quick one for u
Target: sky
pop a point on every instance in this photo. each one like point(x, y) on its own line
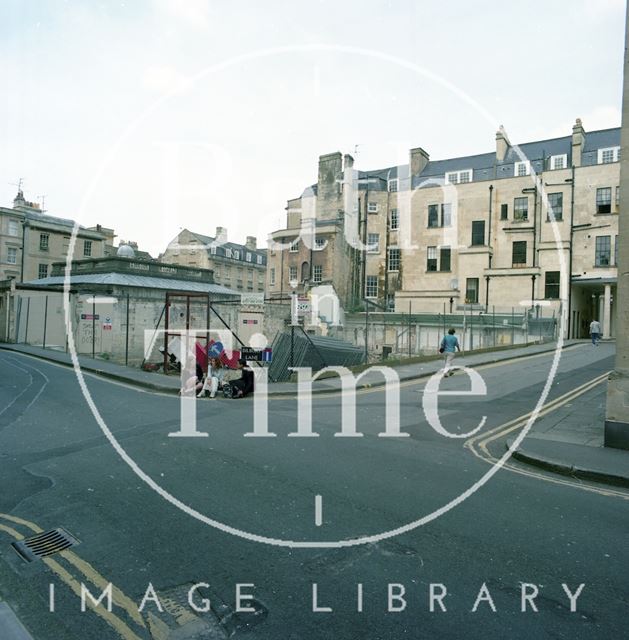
point(149, 116)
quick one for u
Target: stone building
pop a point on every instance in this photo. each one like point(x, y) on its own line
point(239, 267)
point(499, 229)
point(327, 227)
point(31, 241)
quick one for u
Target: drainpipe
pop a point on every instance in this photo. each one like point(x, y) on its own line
point(24, 228)
point(490, 255)
point(491, 190)
point(364, 250)
point(571, 180)
point(386, 251)
point(535, 226)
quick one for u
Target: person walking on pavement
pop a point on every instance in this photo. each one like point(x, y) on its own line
point(595, 332)
point(449, 345)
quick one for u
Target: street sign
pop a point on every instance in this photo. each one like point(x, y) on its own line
point(215, 350)
point(256, 355)
point(89, 316)
point(301, 306)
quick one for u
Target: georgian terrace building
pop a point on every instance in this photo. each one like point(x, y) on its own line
point(236, 266)
point(31, 241)
point(473, 233)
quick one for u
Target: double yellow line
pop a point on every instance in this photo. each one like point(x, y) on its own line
point(122, 601)
point(478, 445)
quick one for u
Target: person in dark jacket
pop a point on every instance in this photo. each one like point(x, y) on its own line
point(244, 385)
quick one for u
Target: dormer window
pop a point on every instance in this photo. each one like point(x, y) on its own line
point(459, 177)
point(558, 162)
point(522, 169)
point(610, 154)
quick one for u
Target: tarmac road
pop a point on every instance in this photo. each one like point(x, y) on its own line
point(58, 470)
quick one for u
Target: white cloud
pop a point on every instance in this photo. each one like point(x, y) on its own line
point(602, 8)
point(603, 117)
point(195, 13)
point(164, 79)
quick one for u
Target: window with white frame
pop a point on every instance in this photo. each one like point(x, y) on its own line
point(555, 206)
point(520, 209)
point(394, 259)
point(320, 244)
point(446, 214)
point(44, 240)
point(603, 251)
point(294, 246)
point(439, 215)
point(373, 243)
point(604, 200)
point(522, 168)
point(87, 248)
point(248, 257)
point(371, 287)
point(236, 254)
point(610, 154)
point(272, 276)
point(393, 184)
point(431, 264)
point(459, 177)
point(372, 207)
point(13, 227)
point(395, 219)
point(12, 255)
point(559, 162)
point(292, 274)
point(228, 252)
point(317, 273)
point(213, 250)
point(259, 259)
point(42, 271)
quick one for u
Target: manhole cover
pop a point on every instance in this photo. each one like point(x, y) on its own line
point(44, 544)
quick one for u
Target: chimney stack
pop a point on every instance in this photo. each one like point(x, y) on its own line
point(418, 160)
point(251, 243)
point(221, 235)
point(578, 140)
point(502, 144)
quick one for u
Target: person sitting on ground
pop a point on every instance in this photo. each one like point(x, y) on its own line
point(194, 384)
point(244, 385)
point(213, 379)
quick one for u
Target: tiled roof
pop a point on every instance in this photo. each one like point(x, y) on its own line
point(208, 241)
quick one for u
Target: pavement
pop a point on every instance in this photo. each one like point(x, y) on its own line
point(10, 626)
point(569, 440)
point(156, 381)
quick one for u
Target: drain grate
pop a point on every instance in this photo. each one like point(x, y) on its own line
point(44, 544)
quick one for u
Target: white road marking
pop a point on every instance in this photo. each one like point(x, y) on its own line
point(318, 510)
